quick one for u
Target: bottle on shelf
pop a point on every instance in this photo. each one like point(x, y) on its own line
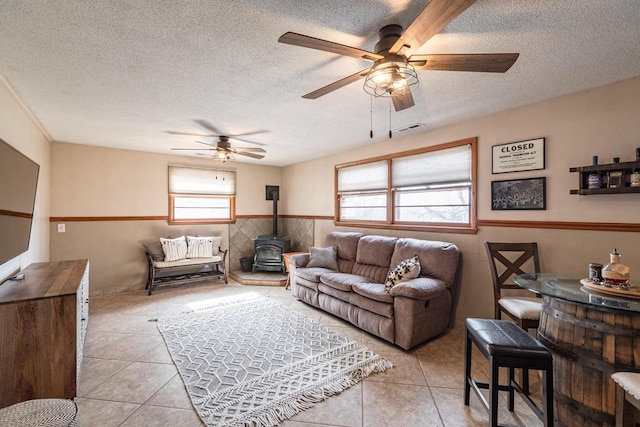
point(594, 180)
point(634, 178)
point(615, 177)
point(615, 273)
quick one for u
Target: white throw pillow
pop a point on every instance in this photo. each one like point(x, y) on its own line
point(199, 247)
point(217, 241)
point(405, 270)
point(174, 249)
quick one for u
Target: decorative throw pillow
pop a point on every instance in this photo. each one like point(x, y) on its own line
point(217, 241)
point(199, 247)
point(406, 270)
point(174, 249)
point(155, 250)
point(323, 257)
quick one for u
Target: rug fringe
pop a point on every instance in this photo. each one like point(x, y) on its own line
point(284, 410)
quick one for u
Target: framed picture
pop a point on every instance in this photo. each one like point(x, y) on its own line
point(519, 194)
point(518, 156)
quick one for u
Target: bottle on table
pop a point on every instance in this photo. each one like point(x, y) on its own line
point(634, 178)
point(615, 273)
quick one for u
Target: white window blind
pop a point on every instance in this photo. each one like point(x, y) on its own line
point(201, 181)
point(365, 177)
point(447, 166)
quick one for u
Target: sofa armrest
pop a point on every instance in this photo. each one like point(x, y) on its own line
point(420, 288)
point(299, 260)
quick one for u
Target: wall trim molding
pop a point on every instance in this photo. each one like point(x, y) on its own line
point(563, 225)
point(107, 218)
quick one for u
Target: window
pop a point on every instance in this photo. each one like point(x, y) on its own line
point(431, 188)
point(201, 196)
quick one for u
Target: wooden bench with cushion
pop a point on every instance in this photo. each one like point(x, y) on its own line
point(170, 266)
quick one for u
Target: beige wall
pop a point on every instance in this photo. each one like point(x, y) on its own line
point(602, 122)
point(90, 181)
point(20, 131)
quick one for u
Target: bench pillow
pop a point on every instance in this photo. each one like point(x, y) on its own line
point(199, 247)
point(174, 249)
point(217, 241)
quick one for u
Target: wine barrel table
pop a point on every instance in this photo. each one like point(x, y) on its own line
point(591, 335)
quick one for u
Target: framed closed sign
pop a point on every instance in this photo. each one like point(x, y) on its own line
point(518, 156)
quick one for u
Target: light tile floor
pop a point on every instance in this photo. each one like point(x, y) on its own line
point(129, 379)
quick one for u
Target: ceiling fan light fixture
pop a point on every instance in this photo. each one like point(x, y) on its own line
point(391, 78)
point(222, 156)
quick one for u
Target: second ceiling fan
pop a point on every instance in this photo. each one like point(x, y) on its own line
point(393, 71)
point(222, 147)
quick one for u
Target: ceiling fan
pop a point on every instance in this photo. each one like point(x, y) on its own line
point(222, 147)
point(393, 71)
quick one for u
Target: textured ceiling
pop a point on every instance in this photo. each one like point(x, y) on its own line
point(122, 73)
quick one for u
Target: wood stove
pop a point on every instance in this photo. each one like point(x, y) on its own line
point(268, 252)
point(269, 249)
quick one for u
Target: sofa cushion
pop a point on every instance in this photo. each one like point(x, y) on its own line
point(347, 244)
point(323, 257)
point(365, 303)
point(406, 270)
point(374, 291)
point(155, 250)
point(312, 273)
point(437, 259)
point(336, 293)
point(174, 249)
point(342, 281)
point(375, 250)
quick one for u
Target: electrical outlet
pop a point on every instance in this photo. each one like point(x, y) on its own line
point(61, 228)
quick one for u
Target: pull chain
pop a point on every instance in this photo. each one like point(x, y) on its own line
point(390, 134)
point(371, 112)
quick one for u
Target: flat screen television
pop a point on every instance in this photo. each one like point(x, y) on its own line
point(18, 183)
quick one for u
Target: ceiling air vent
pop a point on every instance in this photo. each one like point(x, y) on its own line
point(409, 128)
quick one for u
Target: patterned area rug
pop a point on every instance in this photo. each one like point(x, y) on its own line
point(255, 362)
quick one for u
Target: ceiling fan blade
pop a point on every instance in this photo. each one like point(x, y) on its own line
point(255, 132)
point(193, 149)
point(336, 85)
point(478, 62)
point(327, 46)
point(402, 102)
point(205, 124)
point(189, 134)
point(249, 149)
point(244, 153)
point(249, 141)
point(433, 18)
point(206, 143)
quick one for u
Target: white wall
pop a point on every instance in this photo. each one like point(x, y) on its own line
point(602, 121)
point(19, 130)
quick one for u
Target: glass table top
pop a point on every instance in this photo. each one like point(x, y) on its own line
point(569, 288)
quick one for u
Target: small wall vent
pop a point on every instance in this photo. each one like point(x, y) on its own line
point(410, 128)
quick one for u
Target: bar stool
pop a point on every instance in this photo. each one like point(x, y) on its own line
point(504, 344)
point(627, 398)
point(41, 412)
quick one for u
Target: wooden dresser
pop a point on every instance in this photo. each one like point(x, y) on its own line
point(43, 322)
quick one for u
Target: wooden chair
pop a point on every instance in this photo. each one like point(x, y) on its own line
point(627, 398)
point(525, 311)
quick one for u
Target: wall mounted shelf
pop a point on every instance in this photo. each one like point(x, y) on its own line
point(585, 171)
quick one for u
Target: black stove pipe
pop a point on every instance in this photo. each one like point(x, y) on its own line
point(275, 216)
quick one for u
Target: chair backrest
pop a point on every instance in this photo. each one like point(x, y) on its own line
point(503, 268)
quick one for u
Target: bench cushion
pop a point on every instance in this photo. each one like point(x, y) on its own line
point(187, 262)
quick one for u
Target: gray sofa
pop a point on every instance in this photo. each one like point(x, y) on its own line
point(410, 313)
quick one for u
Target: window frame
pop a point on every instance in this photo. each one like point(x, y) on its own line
point(171, 220)
point(391, 222)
